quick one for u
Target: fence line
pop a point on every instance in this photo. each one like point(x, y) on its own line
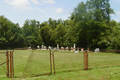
point(10, 62)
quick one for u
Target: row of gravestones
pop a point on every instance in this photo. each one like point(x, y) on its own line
point(72, 49)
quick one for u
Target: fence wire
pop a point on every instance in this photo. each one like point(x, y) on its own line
point(3, 63)
point(102, 59)
point(31, 63)
point(35, 62)
point(68, 61)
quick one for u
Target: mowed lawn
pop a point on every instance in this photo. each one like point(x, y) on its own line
point(68, 65)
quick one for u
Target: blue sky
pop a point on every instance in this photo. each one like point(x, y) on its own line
point(18, 11)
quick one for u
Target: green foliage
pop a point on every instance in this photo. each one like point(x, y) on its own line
point(46, 34)
point(88, 26)
point(114, 36)
point(92, 20)
point(10, 34)
point(31, 33)
point(58, 34)
point(100, 10)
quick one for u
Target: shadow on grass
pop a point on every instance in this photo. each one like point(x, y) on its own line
point(72, 70)
point(89, 69)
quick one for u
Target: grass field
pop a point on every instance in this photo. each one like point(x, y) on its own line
point(68, 65)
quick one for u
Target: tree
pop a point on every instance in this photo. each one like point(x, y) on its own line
point(46, 35)
point(31, 32)
point(59, 34)
point(79, 13)
point(91, 22)
point(100, 10)
point(16, 40)
point(10, 34)
point(5, 32)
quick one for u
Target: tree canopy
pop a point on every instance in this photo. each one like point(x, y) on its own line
point(89, 25)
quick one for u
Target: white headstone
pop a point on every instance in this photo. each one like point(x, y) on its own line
point(97, 50)
point(38, 47)
point(49, 47)
point(76, 51)
point(67, 48)
point(44, 47)
point(29, 48)
point(57, 46)
point(74, 47)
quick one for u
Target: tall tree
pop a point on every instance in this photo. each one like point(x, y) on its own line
point(91, 22)
point(79, 13)
point(100, 10)
point(31, 32)
point(4, 31)
point(46, 35)
point(59, 34)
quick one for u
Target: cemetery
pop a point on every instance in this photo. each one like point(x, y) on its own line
point(84, 46)
point(34, 62)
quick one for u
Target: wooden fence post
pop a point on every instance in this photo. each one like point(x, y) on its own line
point(10, 65)
point(86, 60)
point(7, 54)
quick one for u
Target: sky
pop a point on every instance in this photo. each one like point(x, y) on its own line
point(18, 11)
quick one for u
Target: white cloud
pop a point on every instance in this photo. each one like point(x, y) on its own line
point(21, 4)
point(21, 25)
point(48, 1)
point(116, 16)
point(118, 13)
point(35, 2)
point(59, 10)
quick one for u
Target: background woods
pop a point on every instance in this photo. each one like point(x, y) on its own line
point(88, 26)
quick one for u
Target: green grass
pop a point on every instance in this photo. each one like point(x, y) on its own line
point(68, 65)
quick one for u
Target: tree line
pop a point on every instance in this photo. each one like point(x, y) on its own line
point(88, 26)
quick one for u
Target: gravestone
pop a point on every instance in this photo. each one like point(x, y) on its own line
point(72, 49)
point(57, 46)
point(29, 48)
point(67, 48)
point(54, 48)
point(82, 50)
point(49, 47)
point(78, 49)
point(62, 48)
point(38, 47)
point(44, 48)
point(97, 50)
point(88, 50)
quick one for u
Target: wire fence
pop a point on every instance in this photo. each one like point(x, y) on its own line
point(31, 62)
point(3, 69)
point(36, 62)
